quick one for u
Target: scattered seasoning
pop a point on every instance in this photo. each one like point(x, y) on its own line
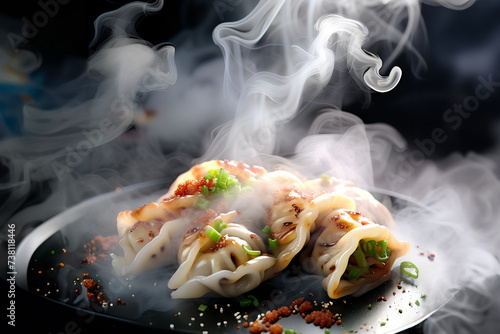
point(202, 308)
point(268, 322)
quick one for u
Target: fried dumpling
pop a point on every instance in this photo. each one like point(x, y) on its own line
point(355, 254)
point(230, 266)
point(147, 235)
point(293, 217)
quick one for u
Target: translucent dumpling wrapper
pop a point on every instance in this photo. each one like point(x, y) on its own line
point(364, 200)
point(293, 218)
point(222, 266)
point(342, 233)
point(148, 235)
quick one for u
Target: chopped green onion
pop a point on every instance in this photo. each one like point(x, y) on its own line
point(266, 230)
point(325, 178)
point(369, 306)
point(249, 251)
point(289, 331)
point(225, 183)
point(245, 302)
point(423, 296)
point(382, 323)
point(212, 233)
point(400, 311)
point(370, 248)
point(204, 190)
point(202, 308)
point(354, 273)
point(202, 203)
point(360, 258)
point(255, 301)
point(273, 243)
point(409, 265)
point(417, 303)
point(220, 225)
point(327, 331)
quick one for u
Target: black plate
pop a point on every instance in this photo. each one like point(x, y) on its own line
point(51, 264)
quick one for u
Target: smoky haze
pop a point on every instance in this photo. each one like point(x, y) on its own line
point(282, 83)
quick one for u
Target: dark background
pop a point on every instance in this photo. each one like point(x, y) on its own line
point(462, 45)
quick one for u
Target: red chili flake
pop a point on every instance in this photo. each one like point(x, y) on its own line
point(431, 256)
point(275, 329)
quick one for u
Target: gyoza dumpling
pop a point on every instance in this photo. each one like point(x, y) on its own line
point(293, 217)
point(230, 266)
point(148, 235)
point(355, 254)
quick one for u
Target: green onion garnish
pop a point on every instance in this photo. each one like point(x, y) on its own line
point(382, 323)
point(225, 183)
point(273, 243)
point(423, 296)
point(370, 248)
point(249, 251)
point(220, 225)
point(202, 203)
point(204, 190)
point(408, 265)
point(325, 178)
point(289, 331)
point(369, 306)
point(354, 273)
point(327, 331)
point(360, 258)
point(212, 233)
point(245, 302)
point(417, 302)
point(202, 308)
point(255, 301)
point(266, 230)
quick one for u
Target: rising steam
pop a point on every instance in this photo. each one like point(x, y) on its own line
point(237, 97)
